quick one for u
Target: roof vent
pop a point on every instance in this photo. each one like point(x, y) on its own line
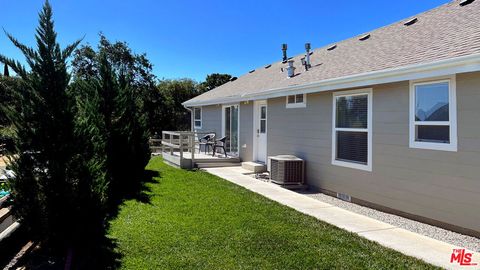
point(290, 68)
point(267, 66)
point(331, 48)
point(307, 63)
point(284, 51)
point(367, 36)
point(410, 22)
point(233, 79)
point(304, 63)
point(251, 71)
point(466, 2)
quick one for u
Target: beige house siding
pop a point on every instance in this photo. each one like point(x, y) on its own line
point(439, 185)
point(246, 131)
point(212, 122)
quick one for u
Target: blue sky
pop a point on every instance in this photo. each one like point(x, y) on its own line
point(194, 38)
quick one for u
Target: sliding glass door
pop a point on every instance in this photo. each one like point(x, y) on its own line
point(230, 128)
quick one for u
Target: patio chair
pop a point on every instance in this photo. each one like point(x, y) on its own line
point(220, 143)
point(207, 141)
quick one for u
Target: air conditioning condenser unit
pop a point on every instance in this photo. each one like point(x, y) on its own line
point(286, 169)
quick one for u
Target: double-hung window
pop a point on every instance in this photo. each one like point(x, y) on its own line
point(352, 129)
point(297, 101)
point(197, 117)
point(433, 115)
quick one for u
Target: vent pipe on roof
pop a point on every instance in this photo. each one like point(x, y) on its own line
point(365, 37)
point(410, 22)
point(307, 56)
point(304, 63)
point(284, 50)
point(331, 48)
point(290, 68)
point(466, 2)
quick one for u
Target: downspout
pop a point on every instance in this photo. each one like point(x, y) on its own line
point(191, 118)
point(192, 129)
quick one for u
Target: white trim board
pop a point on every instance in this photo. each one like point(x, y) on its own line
point(201, 117)
point(452, 109)
point(238, 120)
point(444, 67)
point(256, 114)
point(369, 129)
point(296, 104)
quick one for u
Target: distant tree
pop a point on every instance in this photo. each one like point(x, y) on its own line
point(168, 113)
point(136, 69)
point(214, 80)
point(6, 73)
point(9, 89)
point(171, 115)
point(57, 196)
point(161, 102)
point(9, 106)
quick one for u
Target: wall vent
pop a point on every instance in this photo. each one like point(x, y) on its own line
point(466, 2)
point(410, 22)
point(344, 197)
point(331, 48)
point(267, 66)
point(365, 37)
point(251, 71)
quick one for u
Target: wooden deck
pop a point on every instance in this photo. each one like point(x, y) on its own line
point(181, 149)
point(199, 158)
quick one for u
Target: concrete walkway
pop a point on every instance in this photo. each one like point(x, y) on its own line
point(430, 250)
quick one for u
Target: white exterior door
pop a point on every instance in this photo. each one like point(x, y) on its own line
point(261, 131)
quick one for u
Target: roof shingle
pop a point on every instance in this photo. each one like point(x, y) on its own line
point(445, 32)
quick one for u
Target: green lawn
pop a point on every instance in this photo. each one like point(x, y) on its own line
point(198, 221)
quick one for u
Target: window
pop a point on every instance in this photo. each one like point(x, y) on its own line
point(263, 119)
point(433, 115)
point(352, 129)
point(197, 117)
point(297, 101)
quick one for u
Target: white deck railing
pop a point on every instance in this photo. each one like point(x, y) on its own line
point(182, 142)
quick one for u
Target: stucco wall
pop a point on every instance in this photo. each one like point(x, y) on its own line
point(439, 185)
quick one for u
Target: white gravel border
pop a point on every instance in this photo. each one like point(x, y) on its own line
point(453, 238)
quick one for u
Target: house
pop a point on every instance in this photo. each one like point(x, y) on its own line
point(390, 117)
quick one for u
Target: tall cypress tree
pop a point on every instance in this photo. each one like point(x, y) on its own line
point(122, 81)
point(57, 193)
point(118, 103)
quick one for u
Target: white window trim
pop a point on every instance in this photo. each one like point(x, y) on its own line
point(201, 118)
point(237, 154)
point(256, 125)
point(452, 92)
point(353, 165)
point(296, 105)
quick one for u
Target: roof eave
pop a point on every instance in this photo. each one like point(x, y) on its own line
point(468, 63)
